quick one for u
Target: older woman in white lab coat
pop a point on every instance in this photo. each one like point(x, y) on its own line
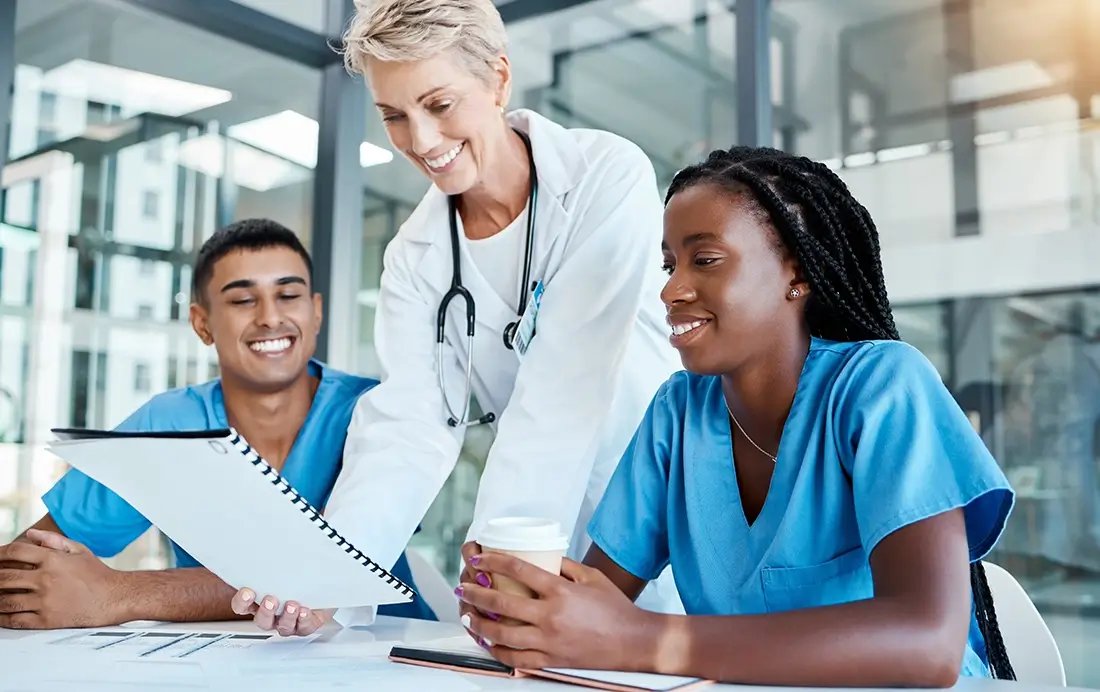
point(565, 400)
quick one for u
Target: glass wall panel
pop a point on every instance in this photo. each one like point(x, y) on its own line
point(132, 138)
point(971, 130)
point(659, 73)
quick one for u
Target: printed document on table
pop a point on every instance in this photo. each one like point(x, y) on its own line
point(118, 644)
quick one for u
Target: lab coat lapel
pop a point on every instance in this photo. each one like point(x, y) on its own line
point(561, 167)
point(551, 235)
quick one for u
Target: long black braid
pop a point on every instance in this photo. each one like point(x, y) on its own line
point(837, 246)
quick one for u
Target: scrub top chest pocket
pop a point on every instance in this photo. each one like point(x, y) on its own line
point(842, 579)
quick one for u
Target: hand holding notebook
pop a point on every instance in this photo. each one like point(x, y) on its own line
point(218, 500)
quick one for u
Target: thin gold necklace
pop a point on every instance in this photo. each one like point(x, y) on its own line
point(734, 419)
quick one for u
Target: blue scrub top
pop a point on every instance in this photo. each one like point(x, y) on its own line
point(91, 514)
point(874, 442)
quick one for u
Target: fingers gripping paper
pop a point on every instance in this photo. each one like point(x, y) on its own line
point(230, 510)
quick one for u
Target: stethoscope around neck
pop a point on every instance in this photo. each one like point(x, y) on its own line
point(457, 290)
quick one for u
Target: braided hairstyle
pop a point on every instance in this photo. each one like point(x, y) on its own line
point(836, 243)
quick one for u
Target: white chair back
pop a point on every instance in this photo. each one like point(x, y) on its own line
point(433, 587)
point(1031, 647)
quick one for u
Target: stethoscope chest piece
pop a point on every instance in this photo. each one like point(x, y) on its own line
point(510, 335)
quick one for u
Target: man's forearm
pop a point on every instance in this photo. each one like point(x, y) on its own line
point(192, 594)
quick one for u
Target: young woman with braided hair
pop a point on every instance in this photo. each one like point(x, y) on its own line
point(821, 498)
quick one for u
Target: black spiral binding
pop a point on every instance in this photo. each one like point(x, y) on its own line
point(303, 504)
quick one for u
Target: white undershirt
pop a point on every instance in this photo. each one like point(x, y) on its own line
point(500, 257)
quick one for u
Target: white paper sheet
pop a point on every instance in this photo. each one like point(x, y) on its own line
point(227, 513)
point(642, 681)
point(463, 644)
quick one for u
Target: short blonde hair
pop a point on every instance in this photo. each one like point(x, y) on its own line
point(410, 30)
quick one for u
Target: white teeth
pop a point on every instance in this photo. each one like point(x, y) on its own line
point(271, 345)
point(678, 329)
point(446, 158)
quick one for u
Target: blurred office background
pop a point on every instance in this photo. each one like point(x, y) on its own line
point(970, 128)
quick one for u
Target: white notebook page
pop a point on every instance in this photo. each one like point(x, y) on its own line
point(641, 681)
point(220, 508)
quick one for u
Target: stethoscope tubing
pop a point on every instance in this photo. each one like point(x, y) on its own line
point(458, 290)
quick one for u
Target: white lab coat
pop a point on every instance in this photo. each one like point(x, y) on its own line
point(566, 413)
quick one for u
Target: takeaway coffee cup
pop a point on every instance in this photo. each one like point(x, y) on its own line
point(531, 539)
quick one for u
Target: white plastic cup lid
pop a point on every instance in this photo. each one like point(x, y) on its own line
point(523, 533)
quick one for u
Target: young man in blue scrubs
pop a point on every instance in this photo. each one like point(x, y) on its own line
point(822, 499)
point(252, 300)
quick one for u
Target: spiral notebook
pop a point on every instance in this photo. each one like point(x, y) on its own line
point(217, 499)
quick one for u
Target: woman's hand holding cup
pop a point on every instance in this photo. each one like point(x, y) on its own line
point(470, 575)
point(537, 541)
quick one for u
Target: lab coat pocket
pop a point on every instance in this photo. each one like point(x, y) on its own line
point(843, 579)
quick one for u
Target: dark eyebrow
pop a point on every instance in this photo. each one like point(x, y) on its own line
point(249, 283)
point(427, 94)
point(239, 283)
point(695, 239)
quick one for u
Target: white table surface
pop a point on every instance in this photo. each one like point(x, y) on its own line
point(388, 631)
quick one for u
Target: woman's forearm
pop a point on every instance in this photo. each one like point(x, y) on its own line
point(876, 642)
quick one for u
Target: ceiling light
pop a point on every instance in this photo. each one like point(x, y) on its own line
point(856, 160)
point(247, 166)
point(371, 155)
point(132, 91)
point(288, 134)
point(293, 136)
point(906, 152)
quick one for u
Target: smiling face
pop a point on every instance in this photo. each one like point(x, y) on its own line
point(729, 289)
point(260, 315)
point(445, 119)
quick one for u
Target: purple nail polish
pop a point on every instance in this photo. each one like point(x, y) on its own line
point(458, 591)
point(483, 579)
point(475, 559)
point(482, 644)
point(492, 616)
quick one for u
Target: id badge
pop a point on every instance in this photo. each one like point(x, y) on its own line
point(525, 332)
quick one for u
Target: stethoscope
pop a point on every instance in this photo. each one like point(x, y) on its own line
point(458, 290)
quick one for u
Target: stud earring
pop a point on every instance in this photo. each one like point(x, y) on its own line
point(794, 293)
